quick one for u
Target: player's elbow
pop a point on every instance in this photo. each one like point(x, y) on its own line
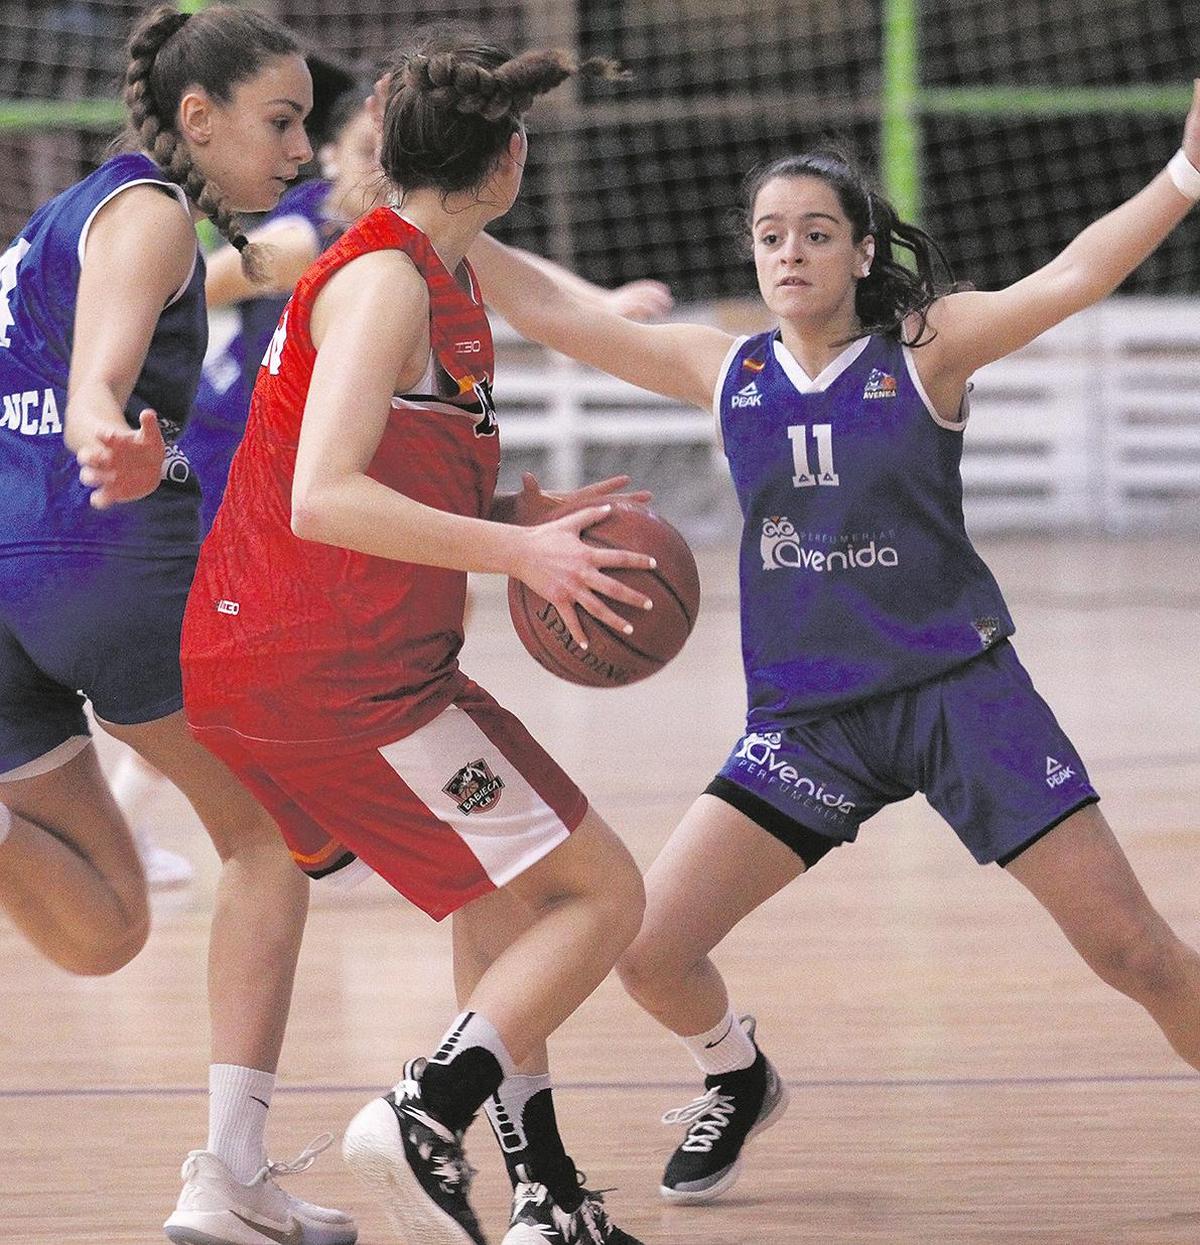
point(310, 516)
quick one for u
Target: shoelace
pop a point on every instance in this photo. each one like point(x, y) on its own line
point(274, 1167)
point(707, 1117)
point(301, 1163)
point(304, 1160)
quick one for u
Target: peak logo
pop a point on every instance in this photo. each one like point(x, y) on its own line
point(781, 547)
point(758, 752)
point(748, 395)
point(1057, 773)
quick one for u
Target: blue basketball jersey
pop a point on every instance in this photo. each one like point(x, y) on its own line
point(45, 505)
point(857, 575)
point(231, 367)
point(260, 316)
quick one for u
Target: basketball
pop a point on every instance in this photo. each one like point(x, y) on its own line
point(613, 660)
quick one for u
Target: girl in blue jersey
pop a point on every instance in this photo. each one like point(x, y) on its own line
point(875, 641)
point(102, 332)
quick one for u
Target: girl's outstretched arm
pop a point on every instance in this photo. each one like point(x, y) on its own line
point(677, 360)
point(974, 327)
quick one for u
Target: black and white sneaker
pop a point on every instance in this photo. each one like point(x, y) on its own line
point(734, 1107)
point(538, 1220)
point(415, 1164)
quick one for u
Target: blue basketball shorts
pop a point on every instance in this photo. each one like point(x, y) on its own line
point(95, 625)
point(978, 741)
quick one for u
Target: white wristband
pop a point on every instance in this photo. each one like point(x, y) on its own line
point(1185, 175)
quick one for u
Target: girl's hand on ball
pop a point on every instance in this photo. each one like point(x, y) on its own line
point(557, 564)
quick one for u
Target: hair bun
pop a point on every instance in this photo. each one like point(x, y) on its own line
point(165, 22)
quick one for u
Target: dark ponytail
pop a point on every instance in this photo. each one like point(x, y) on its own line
point(216, 49)
point(893, 292)
point(454, 101)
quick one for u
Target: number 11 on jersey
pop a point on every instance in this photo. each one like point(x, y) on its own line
point(804, 476)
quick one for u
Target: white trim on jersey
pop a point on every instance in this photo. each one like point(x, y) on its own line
point(720, 386)
point(506, 839)
point(439, 408)
point(182, 198)
point(964, 409)
point(828, 374)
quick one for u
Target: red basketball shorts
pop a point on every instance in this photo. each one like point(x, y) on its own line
point(454, 810)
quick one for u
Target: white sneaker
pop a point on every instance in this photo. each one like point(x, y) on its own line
point(215, 1208)
point(163, 869)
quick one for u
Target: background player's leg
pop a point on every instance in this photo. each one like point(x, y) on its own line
point(262, 898)
point(1079, 873)
point(716, 868)
point(135, 786)
point(70, 878)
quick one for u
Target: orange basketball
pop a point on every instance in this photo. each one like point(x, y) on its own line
point(611, 659)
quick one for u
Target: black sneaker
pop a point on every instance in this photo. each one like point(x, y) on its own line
point(415, 1164)
point(734, 1107)
point(538, 1220)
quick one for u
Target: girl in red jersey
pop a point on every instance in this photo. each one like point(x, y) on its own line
point(322, 633)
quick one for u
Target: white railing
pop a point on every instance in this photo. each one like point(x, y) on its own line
point(1094, 426)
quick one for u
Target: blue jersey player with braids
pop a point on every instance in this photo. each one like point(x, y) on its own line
point(876, 643)
point(102, 332)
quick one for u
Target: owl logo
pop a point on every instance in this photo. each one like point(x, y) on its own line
point(779, 545)
point(758, 749)
point(475, 789)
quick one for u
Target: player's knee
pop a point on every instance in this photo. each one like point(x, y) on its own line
point(627, 901)
point(1139, 961)
point(649, 963)
point(102, 958)
point(254, 840)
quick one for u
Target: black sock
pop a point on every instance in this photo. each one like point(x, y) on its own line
point(454, 1091)
point(532, 1146)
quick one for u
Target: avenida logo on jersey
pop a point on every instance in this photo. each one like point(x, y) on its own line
point(758, 754)
point(780, 547)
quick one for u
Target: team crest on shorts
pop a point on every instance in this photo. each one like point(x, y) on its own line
point(475, 788)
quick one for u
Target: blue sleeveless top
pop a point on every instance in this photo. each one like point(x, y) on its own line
point(45, 506)
point(232, 363)
point(857, 575)
point(227, 381)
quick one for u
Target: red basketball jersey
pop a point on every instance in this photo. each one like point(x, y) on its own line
point(291, 640)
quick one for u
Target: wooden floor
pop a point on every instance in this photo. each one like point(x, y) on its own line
point(957, 1075)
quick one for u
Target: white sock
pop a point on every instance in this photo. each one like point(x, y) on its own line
point(5, 823)
point(474, 1029)
point(239, 1100)
point(506, 1109)
point(726, 1047)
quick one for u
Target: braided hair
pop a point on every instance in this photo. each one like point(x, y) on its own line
point(216, 49)
point(454, 101)
point(892, 292)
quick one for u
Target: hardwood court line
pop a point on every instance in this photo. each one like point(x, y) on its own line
point(949, 1082)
